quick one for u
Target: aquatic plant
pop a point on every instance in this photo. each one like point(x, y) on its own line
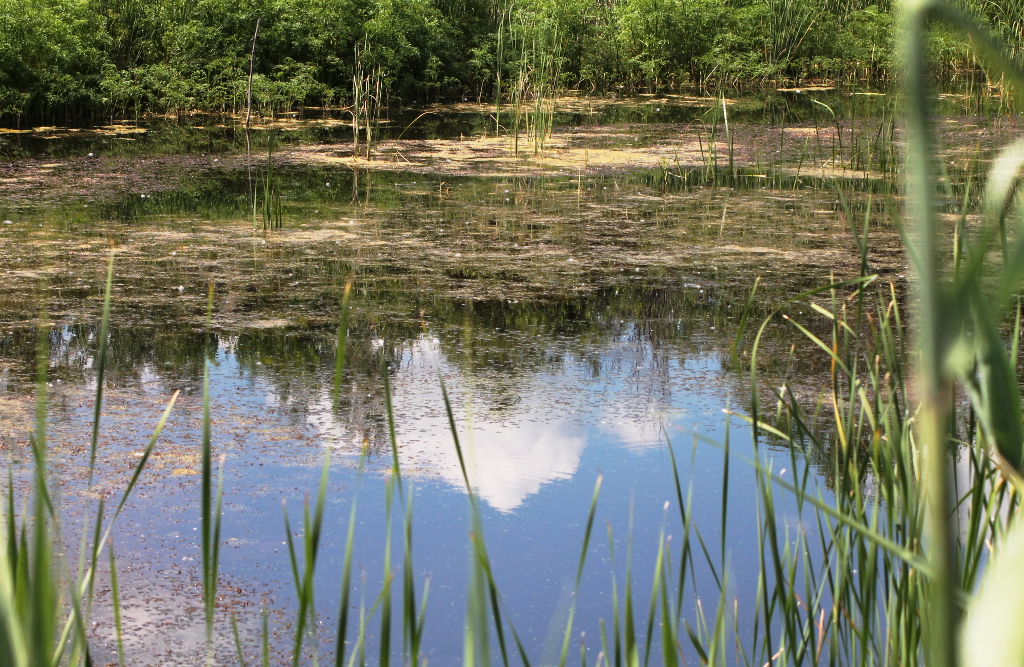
point(270, 205)
point(887, 579)
point(44, 607)
point(73, 62)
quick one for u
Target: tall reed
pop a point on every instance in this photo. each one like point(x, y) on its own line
point(210, 500)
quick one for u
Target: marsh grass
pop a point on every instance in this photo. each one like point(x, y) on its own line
point(44, 608)
point(210, 502)
point(368, 102)
point(887, 575)
point(528, 32)
point(269, 206)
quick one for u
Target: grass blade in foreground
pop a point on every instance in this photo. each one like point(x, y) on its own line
point(211, 505)
point(101, 364)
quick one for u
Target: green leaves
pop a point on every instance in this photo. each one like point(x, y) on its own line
point(994, 391)
point(990, 634)
point(960, 311)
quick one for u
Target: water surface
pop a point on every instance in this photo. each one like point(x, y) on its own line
point(580, 322)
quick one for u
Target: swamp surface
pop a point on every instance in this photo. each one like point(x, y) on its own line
point(581, 299)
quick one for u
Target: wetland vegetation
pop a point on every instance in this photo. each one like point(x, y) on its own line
point(537, 375)
point(69, 62)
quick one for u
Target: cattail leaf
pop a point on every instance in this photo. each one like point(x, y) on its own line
point(1003, 179)
point(1004, 182)
point(991, 634)
point(994, 391)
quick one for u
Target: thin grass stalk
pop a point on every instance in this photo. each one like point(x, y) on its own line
point(632, 653)
point(579, 572)
point(616, 625)
point(304, 579)
point(346, 569)
point(669, 642)
point(396, 470)
point(394, 479)
point(346, 585)
point(210, 502)
point(81, 586)
point(252, 62)
point(482, 585)
point(101, 363)
point(38, 437)
point(36, 586)
point(238, 641)
point(685, 556)
point(264, 637)
point(725, 489)
point(412, 620)
point(737, 340)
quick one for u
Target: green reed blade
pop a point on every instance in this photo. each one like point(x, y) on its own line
point(116, 603)
point(933, 320)
point(1015, 342)
point(579, 572)
point(265, 636)
point(238, 640)
point(346, 573)
point(697, 644)
point(486, 588)
point(384, 656)
point(725, 487)
point(146, 453)
point(94, 555)
point(860, 282)
point(734, 348)
point(304, 585)
point(872, 536)
point(455, 437)
point(101, 364)
point(410, 640)
point(995, 393)
point(38, 437)
point(290, 540)
point(422, 616)
point(389, 406)
point(14, 649)
point(346, 584)
point(215, 539)
point(210, 506)
point(669, 642)
point(85, 580)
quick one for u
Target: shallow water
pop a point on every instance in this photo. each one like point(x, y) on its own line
point(578, 322)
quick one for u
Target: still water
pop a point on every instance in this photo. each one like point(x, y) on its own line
point(580, 318)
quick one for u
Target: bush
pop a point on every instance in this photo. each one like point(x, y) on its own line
point(79, 60)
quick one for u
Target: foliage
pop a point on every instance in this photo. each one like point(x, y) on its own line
point(83, 60)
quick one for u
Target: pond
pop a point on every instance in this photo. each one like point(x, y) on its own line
point(581, 301)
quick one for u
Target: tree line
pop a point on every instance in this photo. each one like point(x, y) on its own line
point(68, 61)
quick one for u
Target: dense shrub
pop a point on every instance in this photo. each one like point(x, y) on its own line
point(82, 60)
